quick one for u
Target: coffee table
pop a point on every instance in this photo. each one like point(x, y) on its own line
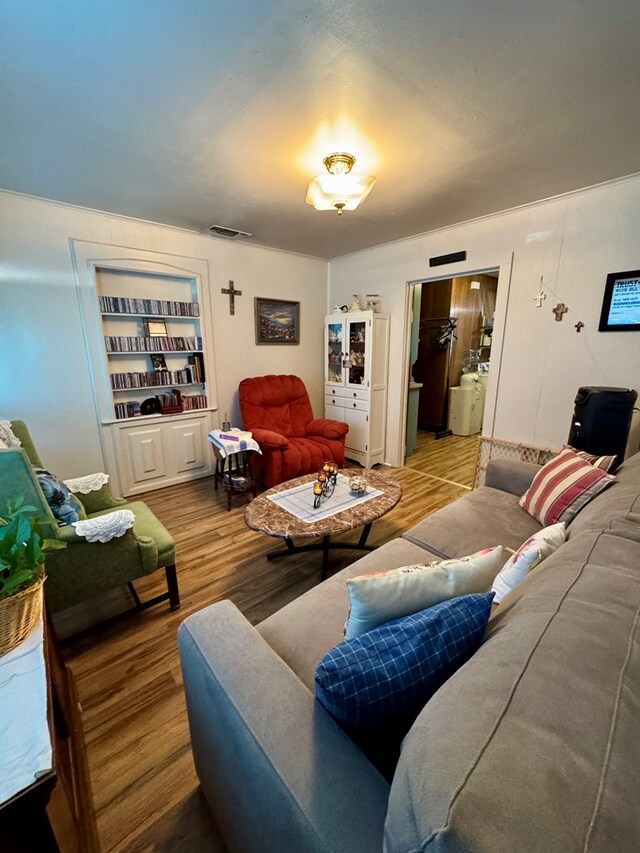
point(267, 517)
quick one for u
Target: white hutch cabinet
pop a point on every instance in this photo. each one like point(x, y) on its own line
point(356, 356)
point(147, 328)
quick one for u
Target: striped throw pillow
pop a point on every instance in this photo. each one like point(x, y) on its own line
point(606, 463)
point(562, 487)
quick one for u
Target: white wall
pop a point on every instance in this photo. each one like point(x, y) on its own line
point(44, 372)
point(573, 241)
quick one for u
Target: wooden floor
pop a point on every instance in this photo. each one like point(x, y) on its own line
point(127, 670)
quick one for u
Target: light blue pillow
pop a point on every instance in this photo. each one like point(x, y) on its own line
point(388, 674)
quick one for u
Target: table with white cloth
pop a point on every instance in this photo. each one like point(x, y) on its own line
point(233, 449)
point(26, 753)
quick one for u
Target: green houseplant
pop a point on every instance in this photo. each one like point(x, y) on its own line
point(22, 558)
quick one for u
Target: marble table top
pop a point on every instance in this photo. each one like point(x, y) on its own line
point(267, 517)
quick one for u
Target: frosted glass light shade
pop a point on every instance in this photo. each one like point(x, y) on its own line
point(327, 191)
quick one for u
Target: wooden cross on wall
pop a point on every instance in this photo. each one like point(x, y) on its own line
point(231, 292)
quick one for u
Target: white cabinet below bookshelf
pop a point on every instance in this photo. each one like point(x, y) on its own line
point(153, 452)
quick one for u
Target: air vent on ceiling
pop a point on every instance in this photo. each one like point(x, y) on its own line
point(229, 233)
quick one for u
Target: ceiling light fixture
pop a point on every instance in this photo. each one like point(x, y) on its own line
point(339, 189)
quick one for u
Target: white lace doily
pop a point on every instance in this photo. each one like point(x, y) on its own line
point(86, 484)
point(6, 434)
point(103, 528)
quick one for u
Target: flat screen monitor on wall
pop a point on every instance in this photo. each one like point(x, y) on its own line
point(621, 303)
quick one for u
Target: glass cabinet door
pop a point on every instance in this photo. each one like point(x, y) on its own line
point(334, 350)
point(358, 355)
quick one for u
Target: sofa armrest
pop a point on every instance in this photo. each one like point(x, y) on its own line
point(327, 428)
point(277, 771)
point(510, 475)
point(269, 439)
point(99, 500)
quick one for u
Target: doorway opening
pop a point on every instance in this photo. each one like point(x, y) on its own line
point(449, 364)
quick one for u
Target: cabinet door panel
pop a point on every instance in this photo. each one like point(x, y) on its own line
point(358, 435)
point(146, 454)
point(187, 440)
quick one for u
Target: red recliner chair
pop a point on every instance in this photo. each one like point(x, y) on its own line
point(277, 411)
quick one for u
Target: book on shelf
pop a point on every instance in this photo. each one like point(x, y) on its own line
point(191, 402)
point(133, 305)
point(152, 379)
point(196, 363)
point(135, 343)
point(169, 404)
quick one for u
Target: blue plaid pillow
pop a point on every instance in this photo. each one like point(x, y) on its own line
point(390, 672)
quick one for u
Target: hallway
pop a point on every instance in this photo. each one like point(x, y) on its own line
point(451, 459)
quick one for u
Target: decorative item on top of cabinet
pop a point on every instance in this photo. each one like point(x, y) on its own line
point(355, 373)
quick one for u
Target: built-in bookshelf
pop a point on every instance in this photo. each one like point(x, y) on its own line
point(149, 337)
point(150, 350)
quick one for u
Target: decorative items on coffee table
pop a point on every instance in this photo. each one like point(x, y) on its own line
point(266, 515)
point(325, 485)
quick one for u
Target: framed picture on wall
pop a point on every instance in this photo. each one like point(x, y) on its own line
point(277, 321)
point(621, 303)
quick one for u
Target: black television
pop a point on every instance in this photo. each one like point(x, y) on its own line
point(621, 303)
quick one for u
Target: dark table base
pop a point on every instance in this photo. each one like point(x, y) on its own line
point(325, 546)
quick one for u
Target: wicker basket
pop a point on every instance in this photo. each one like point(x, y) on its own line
point(18, 614)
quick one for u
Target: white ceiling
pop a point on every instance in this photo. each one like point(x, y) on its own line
point(192, 112)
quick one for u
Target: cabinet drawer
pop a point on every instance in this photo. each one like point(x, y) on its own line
point(331, 403)
point(358, 405)
point(334, 390)
point(351, 394)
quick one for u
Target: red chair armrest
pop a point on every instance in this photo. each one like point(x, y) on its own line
point(269, 439)
point(327, 428)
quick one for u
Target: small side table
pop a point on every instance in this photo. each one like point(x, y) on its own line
point(233, 461)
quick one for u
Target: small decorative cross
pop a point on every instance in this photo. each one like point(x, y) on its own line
point(559, 310)
point(541, 294)
point(579, 326)
point(231, 292)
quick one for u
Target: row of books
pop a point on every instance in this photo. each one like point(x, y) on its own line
point(189, 403)
point(131, 305)
point(117, 343)
point(194, 401)
point(153, 378)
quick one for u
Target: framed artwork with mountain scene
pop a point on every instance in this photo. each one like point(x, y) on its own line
point(277, 321)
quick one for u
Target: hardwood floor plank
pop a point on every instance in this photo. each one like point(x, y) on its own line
point(128, 671)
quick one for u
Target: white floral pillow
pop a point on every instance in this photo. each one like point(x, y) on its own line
point(532, 552)
point(379, 597)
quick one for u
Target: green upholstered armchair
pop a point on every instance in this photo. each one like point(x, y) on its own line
point(84, 569)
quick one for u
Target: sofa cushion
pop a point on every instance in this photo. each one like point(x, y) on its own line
point(379, 597)
point(481, 519)
point(536, 741)
point(385, 676)
point(621, 498)
point(303, 631)
point(530, 554)
point(562, 487)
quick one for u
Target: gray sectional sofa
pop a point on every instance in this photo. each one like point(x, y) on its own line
point(533, 745)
